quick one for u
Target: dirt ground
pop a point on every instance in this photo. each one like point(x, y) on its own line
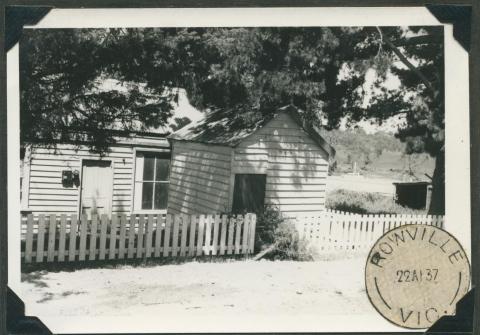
point(268, 289)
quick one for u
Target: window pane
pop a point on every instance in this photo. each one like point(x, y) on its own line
point(161, 195)
point(163, 166)
point(148, 166)
point(147, 196)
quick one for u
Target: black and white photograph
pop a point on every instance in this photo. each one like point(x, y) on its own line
point(218, 178)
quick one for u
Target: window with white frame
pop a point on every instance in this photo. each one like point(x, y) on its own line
point(152, 171)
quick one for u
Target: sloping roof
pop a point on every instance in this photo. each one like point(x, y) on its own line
point(224, 130)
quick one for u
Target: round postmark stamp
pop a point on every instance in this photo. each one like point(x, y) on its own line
point(415, 274)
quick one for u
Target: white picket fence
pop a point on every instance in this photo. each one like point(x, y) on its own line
point(337, 231)
point(68, 238)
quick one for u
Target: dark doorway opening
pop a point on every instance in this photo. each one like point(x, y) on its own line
point(249, 193)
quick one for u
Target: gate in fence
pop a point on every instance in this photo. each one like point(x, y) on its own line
point(69, 238)
point(336, 231)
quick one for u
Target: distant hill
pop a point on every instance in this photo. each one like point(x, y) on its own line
point(379, 154)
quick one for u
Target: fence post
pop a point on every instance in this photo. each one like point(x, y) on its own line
point(201, 227)
point(121, 239)
point(29, 239)
point(253, 223)
point(166, 237)
point(216, 226)
point(193, 229)
point(148, 239)
point(72, 248)
point(223, 234)
point(103, 236)
point(83, 237)
point(246, 227)
point(183, 237)
point(93, 238)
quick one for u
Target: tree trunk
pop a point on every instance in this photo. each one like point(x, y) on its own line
point(437, 203)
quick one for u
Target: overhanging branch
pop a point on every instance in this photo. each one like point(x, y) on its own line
point(405, 61)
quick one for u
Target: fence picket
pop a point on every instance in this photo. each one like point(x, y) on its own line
point(253, 222)
point(29, 239)
point(83, 237)
point(62, 237)
point(166, 237)
point(122, 236)
point(246, 224)
point(93, 238)
point(223, 234)
point(191, 242)
point(201, 227)
point(40, 238)
point(113, 237)
point(131, 237)
point(238, 230)
point(183, 237)
point(140, 234)
point(208, 235)
point(176, 227)
point(231, 228)
point(158, 235)
point(72, 248)
point(148, 239)
point(216, 225)
point(103, 235)
point(52, 228)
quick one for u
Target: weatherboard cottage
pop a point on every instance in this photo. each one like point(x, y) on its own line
point(209, 166)
point(219, 167)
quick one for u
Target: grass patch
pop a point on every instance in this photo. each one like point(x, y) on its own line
point(366, 203)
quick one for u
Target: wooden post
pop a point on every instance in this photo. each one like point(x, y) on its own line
point(223, 234)
point(166, 237)
point(51, 237)
point(103, 235)
point(92, 253)
point(83, 237)
point(148, 239)
point(122, 237)
point(72, 248)
point(29, 239)
point(201, 227)
point(183, 237)
point(176, 224)
point(216, 226)
point(158, 234)
point(231, 228)
point(191, 243)
point(141, 225)
point(253, 223)
point(131, 236)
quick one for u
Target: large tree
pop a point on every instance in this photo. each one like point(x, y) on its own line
point(246, 73)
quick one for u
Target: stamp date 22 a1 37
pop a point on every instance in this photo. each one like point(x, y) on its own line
point(415, 274)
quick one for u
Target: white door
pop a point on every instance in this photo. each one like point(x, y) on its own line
point(97, 183)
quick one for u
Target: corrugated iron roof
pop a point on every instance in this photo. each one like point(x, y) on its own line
point(216, 128)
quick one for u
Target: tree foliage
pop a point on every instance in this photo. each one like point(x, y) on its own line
point(251, 71)
point(245, 73)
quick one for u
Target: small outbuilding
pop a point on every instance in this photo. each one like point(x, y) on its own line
point(219, 167)
point(415, 194)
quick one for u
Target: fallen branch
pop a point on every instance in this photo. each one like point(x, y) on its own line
point(264, 252)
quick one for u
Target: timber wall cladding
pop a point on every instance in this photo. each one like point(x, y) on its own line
point(46, 193)
point(60, 238)
point(199, 178)
point(295, 165)
point(336, 231)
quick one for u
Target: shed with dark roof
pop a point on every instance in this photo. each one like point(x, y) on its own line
point(218, 166)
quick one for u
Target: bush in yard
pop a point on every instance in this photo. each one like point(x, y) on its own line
point(366, 203)
point(274, 229)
